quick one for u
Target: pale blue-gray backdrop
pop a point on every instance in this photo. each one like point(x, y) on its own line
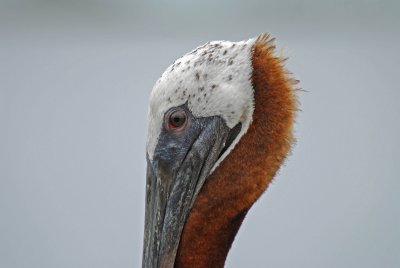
point(75, 77)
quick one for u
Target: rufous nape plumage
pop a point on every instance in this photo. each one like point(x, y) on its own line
point(220, 126)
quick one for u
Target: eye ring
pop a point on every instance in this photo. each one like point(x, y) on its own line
point(176, 119)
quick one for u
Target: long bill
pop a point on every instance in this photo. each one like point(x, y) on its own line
point(175, 175)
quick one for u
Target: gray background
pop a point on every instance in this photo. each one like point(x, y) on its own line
point(75, 77)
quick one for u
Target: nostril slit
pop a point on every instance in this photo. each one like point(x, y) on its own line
point(233, 133)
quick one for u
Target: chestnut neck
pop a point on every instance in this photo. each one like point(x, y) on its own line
point(245, 173)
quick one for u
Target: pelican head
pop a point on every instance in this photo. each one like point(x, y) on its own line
point(220, 121)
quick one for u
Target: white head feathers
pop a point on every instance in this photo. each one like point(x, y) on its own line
point(214, 79)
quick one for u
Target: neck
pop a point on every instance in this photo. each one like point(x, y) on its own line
point(243, 176)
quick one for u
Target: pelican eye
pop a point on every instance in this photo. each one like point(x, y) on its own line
point(176, 119)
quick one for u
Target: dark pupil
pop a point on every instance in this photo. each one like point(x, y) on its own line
point(177, 119)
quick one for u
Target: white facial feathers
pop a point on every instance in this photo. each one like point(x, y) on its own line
point(214, 80)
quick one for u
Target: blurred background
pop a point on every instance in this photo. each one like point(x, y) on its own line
point(75, 78)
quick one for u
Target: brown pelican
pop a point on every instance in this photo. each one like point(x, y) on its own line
point(220, 126)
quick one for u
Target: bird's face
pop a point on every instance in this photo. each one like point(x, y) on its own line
point(199, 109)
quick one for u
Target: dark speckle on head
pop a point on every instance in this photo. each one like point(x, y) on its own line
point(214, 86)
point(229, 77)
point(233, 45)
point(230, 62)
point(225, 51)
point(205, 76)
point(201, 88)
point(197, 76)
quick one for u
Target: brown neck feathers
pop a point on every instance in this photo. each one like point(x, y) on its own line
point(245, 173)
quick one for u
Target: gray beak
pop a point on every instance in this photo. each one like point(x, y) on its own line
point(175, 175)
